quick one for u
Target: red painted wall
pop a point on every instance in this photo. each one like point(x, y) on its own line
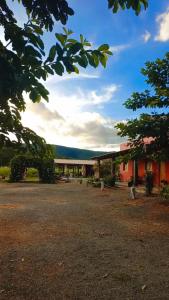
point(141, 168)
point(125, 175)
point(158, 176)
point(167, 170)
point(155, 170)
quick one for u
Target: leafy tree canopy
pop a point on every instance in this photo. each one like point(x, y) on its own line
point(25, 62)
point(154, 125)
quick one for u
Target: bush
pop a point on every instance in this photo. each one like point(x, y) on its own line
point(165, 192)
point(47, 171)
point(18, 165)
point(109, 180)
point(105, 169)
point(4, 171)
point(32, 172)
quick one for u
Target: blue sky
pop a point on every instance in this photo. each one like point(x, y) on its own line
point(83, 109)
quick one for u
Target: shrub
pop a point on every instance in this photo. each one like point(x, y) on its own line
point(105, 168)
point(109, 180)
point(47, 171)
point(4, 171)
point(165, 192)
point(18, 166)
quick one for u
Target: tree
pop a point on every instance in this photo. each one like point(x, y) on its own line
point(115, 5)
point(25, 63)
point(154, 125)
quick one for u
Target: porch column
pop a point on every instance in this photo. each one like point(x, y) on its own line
point(65, 169)
point(135, 171)
point(84, 170)
point(97, 170)
point(112, 167)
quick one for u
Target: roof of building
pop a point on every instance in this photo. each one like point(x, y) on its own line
point(111, 154)
point(74, 161)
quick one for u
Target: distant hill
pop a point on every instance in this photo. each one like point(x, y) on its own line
point(75, 153)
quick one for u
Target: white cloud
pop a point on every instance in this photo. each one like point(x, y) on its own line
point(42, 111)
point(82, 75)
point(70, 104)
point(98, 97)
point(146, 36)
point(98, 132)
point(70, 119)
point(119, 48)
point(163, 32)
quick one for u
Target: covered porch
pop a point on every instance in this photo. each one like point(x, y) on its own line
point(75, 168)
point(135, 168)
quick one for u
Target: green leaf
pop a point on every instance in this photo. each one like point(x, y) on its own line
point(109, 52)
point(52, 53)
point(34, 96)
point(81, 38)
point(73, 49)
point(73, 41)
point(49, 70)
point(91, 60)
point(31, 51)
point(69, 66)
point(82, 61)
point(87, 44)
point(96, 59)
point(61, 38)
point(138, 9)
point(58, 67)
point(43, 74)
point(40, 43)
point(103, 60)
point(76, 70)
point(70, 32)
point(70, 11)
point(65, 30)
point(145, 3)
point(59, 49)
point(104, 47)
point(37, 29)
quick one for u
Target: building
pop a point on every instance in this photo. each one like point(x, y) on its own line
point(135, 168)
point(75, 167)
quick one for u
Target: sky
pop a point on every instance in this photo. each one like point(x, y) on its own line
point(84, 108)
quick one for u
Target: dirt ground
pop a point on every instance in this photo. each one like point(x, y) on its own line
point(70, 241)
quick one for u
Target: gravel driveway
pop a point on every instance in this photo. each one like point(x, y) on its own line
point(70, 241)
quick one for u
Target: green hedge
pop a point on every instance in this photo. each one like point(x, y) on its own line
point(47, 171)
point(45, 168)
